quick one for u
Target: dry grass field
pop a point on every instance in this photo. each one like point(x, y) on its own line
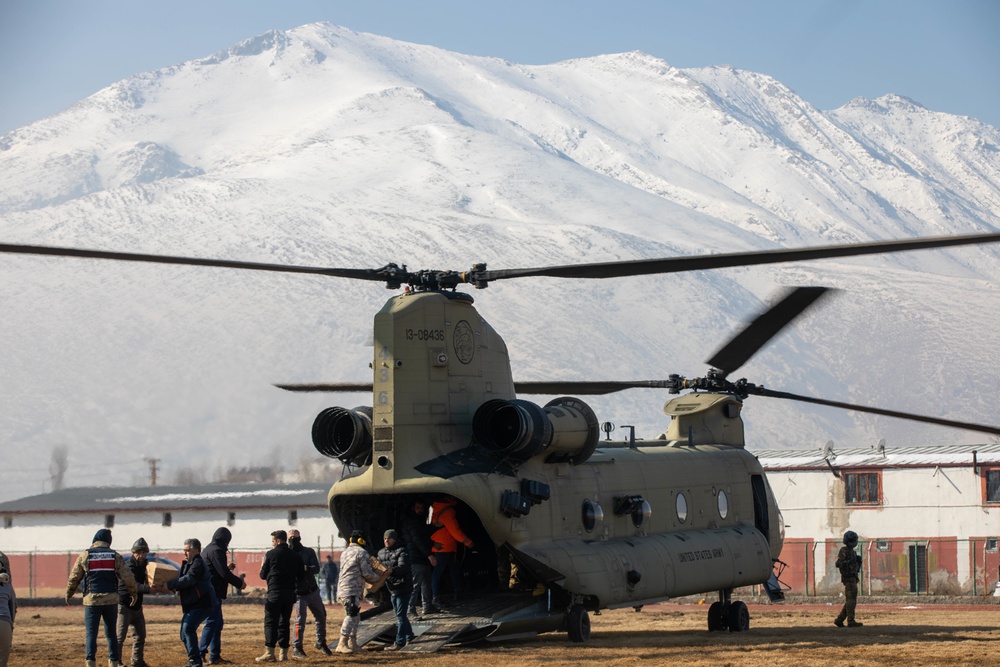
point(791, 634)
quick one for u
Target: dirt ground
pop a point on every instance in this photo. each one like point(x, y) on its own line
point(791, 634)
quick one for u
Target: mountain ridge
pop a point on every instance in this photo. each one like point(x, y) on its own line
point(325, 146)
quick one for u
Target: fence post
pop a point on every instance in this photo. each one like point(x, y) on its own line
point(805, 567)
point(972, 549)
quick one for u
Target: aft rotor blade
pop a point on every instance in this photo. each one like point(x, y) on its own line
point(547, 388)
point(360, 274)
point(745, 344)
point(643, 267)
point(760, 391)
point(584, 388)
point(342, 387)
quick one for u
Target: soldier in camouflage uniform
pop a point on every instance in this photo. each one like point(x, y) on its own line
point(355, 569)
point(133, 615)
point(849, 564)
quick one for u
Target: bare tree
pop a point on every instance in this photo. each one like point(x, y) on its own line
point(58, 466)
point(247, 474)
point(318, 469)
point(189, 477)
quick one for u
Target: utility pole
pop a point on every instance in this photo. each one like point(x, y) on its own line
point(152, 470)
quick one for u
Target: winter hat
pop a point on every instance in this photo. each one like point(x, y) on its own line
point(390, 533)
point(140, 545)
point(357, 537)
point(223, 536)
point(103, 535)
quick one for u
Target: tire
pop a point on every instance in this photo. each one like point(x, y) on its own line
point(739, 617)
point(716, 618)
point(578, 624)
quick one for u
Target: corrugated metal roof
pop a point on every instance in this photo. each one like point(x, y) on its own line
point(862, 457)
point(108, 499)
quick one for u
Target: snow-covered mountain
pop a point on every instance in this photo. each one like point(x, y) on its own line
point(326, 147)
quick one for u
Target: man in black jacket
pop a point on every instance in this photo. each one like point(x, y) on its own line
point(197, 595)
point(222, 578)
point(307, 596)
point(133, 615)
point(394, 557)
point(282, 569)
point(417, 540)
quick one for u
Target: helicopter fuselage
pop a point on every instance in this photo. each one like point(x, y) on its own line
point(604, 524)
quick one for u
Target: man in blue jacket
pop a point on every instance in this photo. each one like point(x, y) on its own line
point(222, 578)
point(331, 571)
point(197, 597)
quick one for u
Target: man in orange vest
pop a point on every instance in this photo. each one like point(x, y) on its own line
point(444, 545)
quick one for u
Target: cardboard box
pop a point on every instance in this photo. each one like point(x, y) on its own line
point(158, 574)
point(382, 573)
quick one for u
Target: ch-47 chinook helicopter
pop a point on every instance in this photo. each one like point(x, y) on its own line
point(587, 524)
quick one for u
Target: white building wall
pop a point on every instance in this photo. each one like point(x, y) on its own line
point(916, 502)
point(72, 532)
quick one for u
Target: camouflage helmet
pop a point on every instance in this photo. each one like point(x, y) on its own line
point(851, 538)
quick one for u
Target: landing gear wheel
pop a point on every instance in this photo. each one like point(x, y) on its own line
point(717, 619)
point(739, 617)
point(578, 624)
point(637, 608)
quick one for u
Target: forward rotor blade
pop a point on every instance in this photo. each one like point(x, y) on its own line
point(745, 344)
point(641, 267)
point(342, 387)
point(760, 391)
point(360, 274)
point(393, 276)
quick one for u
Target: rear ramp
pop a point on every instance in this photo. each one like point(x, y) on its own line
point(474, 619)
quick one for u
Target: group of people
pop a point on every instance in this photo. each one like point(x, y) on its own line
point(412, 567)
point(113, 590)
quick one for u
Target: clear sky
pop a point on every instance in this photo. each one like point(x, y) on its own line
point(944, 54)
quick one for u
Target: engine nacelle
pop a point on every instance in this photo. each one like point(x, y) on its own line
point(566, 428)
point(344, 434)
